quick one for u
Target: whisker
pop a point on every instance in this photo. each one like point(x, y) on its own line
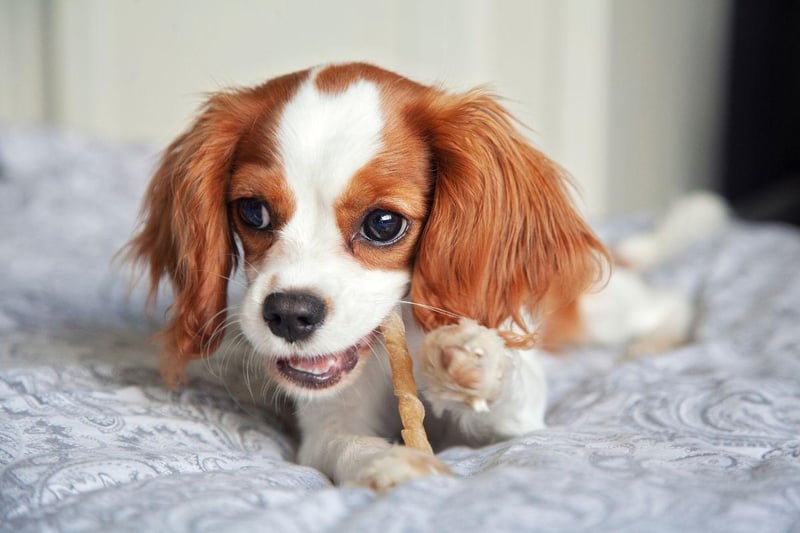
point(251, 265)
point(223, 276)
point(249, 361)
point(225, 356)
point(218, 331)
point(381, 360)
point(208, 342)
point(258, 361)
point(431, 308)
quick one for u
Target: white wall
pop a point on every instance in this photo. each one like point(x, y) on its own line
point(610, 88)
point(23, 76)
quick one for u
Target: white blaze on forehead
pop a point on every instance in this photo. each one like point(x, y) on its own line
point(324, 138)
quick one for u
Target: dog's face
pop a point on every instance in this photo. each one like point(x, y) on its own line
point(328, 211)
point(350, 189)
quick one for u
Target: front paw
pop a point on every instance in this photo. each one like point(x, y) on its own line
point(463, 364)
point(397, 465)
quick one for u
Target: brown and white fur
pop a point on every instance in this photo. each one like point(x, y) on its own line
point(477, 243)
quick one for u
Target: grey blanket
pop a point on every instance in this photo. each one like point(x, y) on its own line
point(703, 438)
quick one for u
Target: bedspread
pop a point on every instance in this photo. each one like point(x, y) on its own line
point(702, 438)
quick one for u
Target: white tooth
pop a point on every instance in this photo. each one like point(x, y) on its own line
point(318, 372)
point(311, 368)
point(479, 405)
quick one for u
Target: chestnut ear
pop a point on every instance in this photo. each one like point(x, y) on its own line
point(502, 242)
point(184, 233)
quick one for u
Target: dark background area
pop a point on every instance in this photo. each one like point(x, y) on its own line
point(761, 159)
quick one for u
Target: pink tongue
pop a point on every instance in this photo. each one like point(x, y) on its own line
point(317, 365)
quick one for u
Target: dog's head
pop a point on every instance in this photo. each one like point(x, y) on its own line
point(343, 191)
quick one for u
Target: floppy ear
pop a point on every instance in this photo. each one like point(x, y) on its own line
point(502, 241)
point(184, 232)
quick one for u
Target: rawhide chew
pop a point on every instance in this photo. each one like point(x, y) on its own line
point(411, 409)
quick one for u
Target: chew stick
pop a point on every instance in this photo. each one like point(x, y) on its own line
point(411, 409)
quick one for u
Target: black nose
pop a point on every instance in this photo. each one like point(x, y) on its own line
point(293, 316)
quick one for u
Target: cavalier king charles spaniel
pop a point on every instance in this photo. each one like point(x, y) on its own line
point(347, 192)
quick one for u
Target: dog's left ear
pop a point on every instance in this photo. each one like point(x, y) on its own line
point(503, 241)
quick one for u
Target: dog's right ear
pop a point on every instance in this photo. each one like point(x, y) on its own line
point(184, 233)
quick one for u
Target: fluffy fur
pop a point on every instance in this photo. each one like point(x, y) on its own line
point(492, 255)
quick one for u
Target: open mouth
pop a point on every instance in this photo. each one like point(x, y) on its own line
point(321, 371)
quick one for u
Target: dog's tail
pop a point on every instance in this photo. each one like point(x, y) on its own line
point(691, 219)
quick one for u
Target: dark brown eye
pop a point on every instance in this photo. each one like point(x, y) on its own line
point(382, 227)
point(253, 213)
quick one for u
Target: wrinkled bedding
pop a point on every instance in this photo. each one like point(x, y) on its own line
point(702, 438)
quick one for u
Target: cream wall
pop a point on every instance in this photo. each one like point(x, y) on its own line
point(624, 93)
point(666, 82)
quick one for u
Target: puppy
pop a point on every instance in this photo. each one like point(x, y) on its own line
point(347, 191)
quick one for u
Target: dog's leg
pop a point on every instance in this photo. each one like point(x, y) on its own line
point(629, 312)
point(625, 312)
point(691, 219)
point(346, 436)
point(490, 391)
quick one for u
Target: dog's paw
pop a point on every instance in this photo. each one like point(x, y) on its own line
point(397, 465)
point(463, 364)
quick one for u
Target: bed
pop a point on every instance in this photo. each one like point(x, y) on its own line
point(702, 438)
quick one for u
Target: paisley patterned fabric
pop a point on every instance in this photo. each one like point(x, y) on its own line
point(703, 438)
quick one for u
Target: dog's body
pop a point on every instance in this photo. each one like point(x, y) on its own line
point(349, 191)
